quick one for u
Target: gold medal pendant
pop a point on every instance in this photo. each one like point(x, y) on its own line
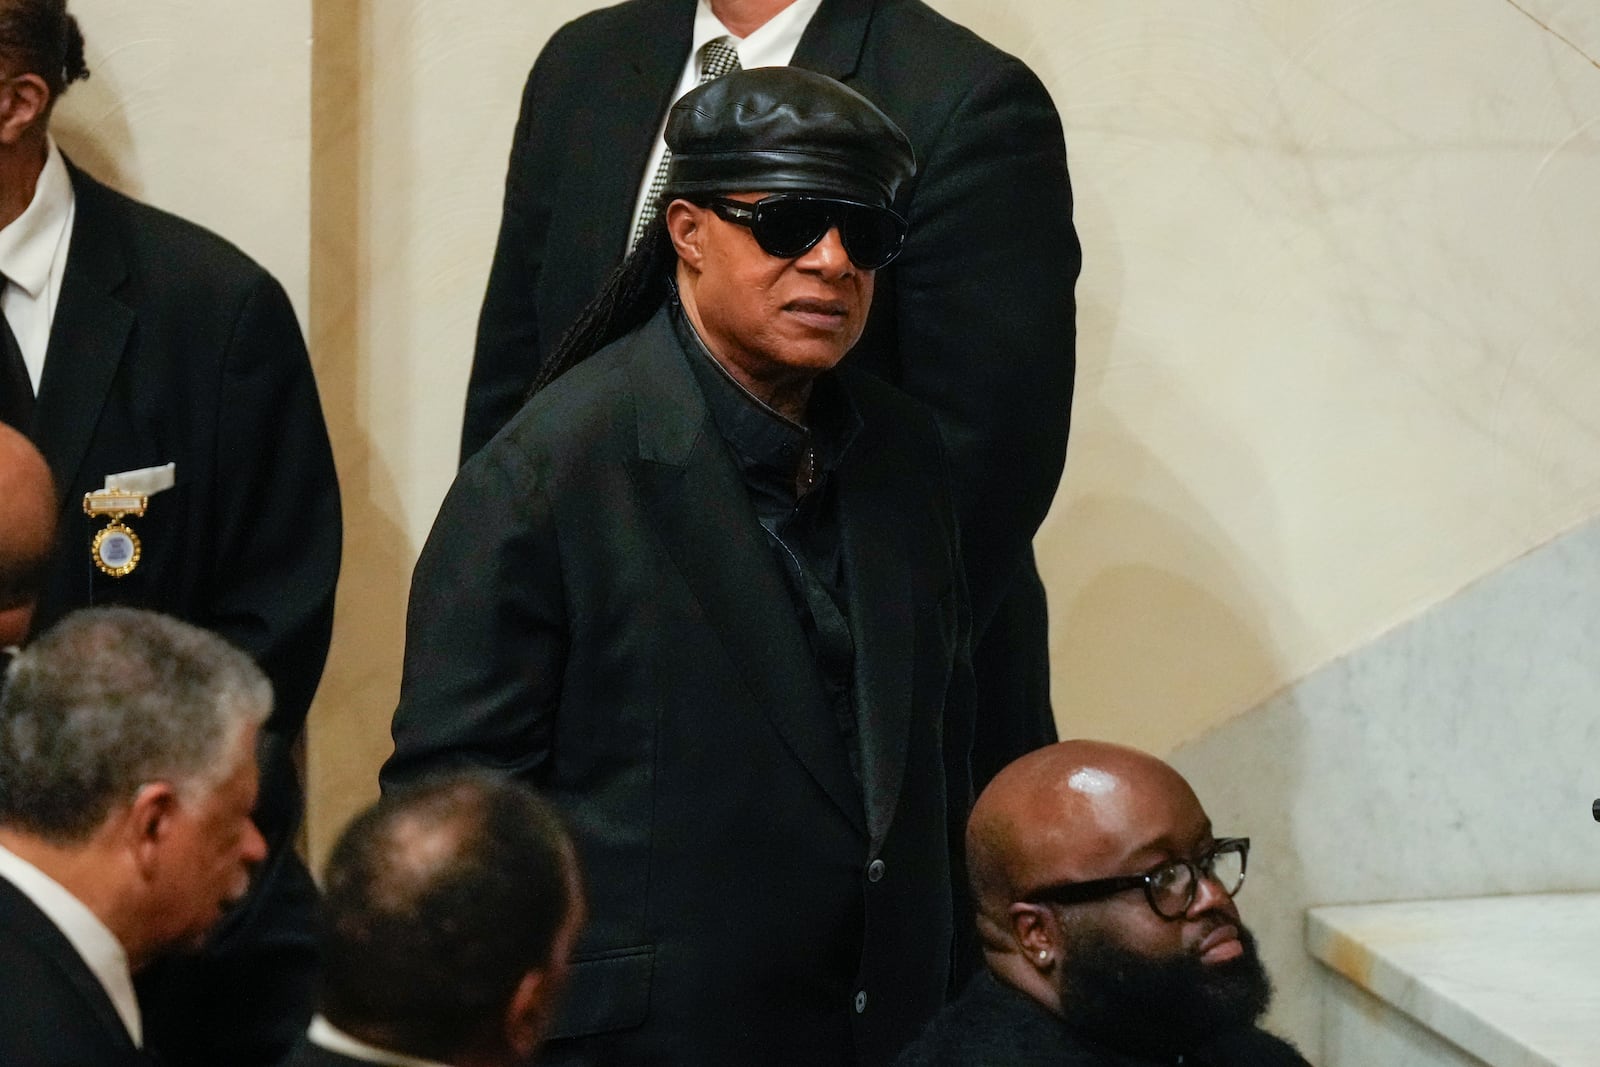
point(116, 549)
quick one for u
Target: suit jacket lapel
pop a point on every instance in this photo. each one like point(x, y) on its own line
point(704, 517)
point(88, 337)
point(631, 106)
point(834, 38)
point(21, 915)
point(882, 621)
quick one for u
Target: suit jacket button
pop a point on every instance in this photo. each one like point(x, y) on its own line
point(861, 1001)
point(875, 871)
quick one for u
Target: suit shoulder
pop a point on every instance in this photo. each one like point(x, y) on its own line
point(1259, 1048)
point(607, 19)
point(564, 424)
point(887, 405)
point(912, 32)
point(182, 248)
point(603, 28)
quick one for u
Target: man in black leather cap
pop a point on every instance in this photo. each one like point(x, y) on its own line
point(705, 593)
point(991, 204)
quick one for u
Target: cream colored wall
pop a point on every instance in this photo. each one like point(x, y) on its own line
point(202, 107)
point(414, 105)
point(1337, 341)
point(1338, 349)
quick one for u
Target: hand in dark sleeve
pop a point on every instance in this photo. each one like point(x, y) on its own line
point(486, 631)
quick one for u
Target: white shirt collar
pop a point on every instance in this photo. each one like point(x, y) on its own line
point(324, 1034)
point(772, 44)
point(29, 246)
point(99, 948)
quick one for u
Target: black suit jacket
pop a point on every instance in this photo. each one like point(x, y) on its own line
point(53, 1011)
point(597, 611)
point(308, 1055)
point(170, 345)
point(975, 319)
point(994, 1025)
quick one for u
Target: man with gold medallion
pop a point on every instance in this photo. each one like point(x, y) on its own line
point(163, 375)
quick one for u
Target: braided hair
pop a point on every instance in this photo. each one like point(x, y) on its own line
point(41, 38)
point(639, 285)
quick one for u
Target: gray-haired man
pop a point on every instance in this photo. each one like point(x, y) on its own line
point(127, 776)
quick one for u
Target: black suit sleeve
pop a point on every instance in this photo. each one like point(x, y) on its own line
point(507, 351)
point(279, 537)
point(486, 631)
point(985, 313)
point(275, 556)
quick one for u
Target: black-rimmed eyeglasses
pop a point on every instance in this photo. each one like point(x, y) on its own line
point(787, 225)
point(1170, 888)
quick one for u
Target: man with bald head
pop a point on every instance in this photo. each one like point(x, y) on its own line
point(28, 501)
point(1109, 930)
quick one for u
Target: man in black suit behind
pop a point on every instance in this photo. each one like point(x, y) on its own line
point(146, 354)
point(127, 775)
point(449, 913)
point(705, 592)
point(975, 319)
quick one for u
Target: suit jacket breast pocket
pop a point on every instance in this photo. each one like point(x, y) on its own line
point(606, 991)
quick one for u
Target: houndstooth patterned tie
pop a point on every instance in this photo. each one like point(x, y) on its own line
point(717, 57)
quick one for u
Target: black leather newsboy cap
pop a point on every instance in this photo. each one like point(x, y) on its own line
point(784, 130)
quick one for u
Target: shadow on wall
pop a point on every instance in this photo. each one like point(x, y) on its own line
point(348, 728)
point(1147, 656)
point(1158, 622)
point(1160, 627)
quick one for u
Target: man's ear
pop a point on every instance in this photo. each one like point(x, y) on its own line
point(1038, 939)
point(686, 225)
point(24, 100)
point(148, 823)
point(528, 1014)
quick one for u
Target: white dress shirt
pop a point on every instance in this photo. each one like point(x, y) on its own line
point(99, 948)
point(33, 254)
point(772, 44)
point(324, 1034)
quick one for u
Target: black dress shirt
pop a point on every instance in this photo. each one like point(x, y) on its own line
point(788, 470)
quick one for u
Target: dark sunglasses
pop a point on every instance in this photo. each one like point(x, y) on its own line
point(787, 225)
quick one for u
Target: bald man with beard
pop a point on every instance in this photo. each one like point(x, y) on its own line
point(1109, 929)
point(28, 502)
